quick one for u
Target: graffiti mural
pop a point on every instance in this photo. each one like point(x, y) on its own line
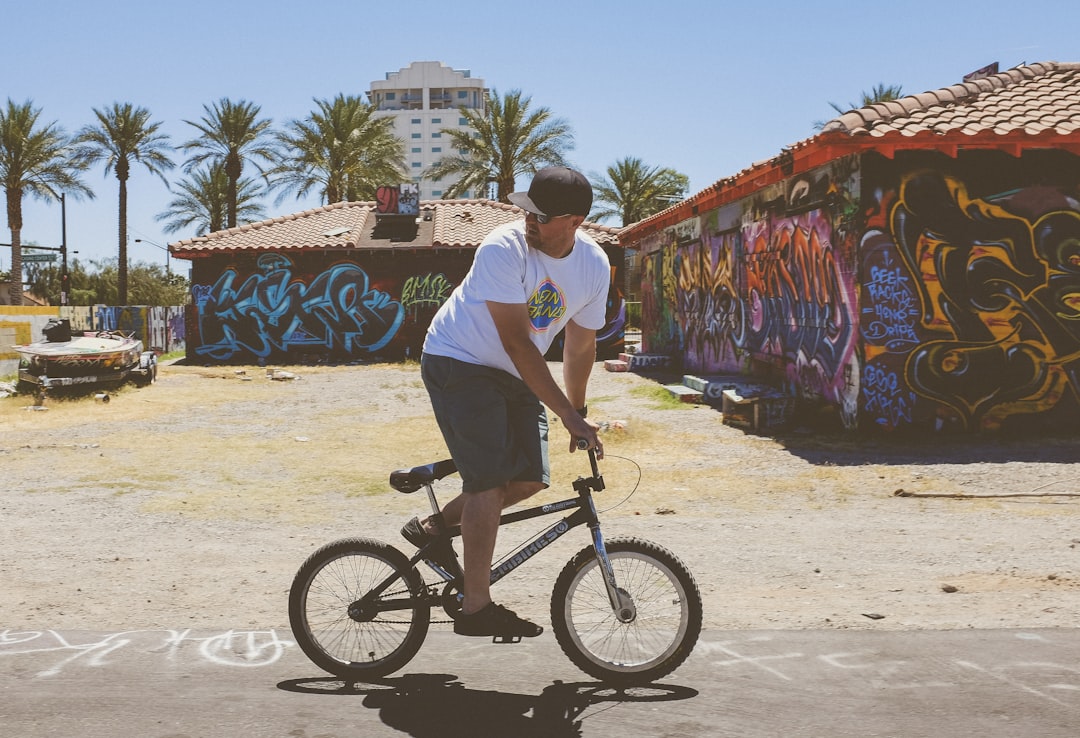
point(272, 310)
point(314, 309)
point(775, 292)
point(127, 319)
point(801, 306)
point(889, 329)
point(425, 291)
point(659, 282)
point(995, 288)
point(711, 314)
point(912, 292)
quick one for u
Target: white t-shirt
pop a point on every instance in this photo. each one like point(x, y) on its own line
point(506, 270)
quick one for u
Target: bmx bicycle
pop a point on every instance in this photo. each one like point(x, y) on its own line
point(625, 611)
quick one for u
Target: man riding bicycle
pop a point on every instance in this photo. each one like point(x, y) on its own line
point(483, 365)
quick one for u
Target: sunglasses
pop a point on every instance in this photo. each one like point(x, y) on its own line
point(544, 219)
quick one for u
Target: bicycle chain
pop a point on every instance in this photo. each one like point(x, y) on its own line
point(431, 591)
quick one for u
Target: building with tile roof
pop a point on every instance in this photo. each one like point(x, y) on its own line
point(914, 266)
point(352, 280)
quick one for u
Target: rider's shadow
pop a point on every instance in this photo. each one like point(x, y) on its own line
point(430, 705)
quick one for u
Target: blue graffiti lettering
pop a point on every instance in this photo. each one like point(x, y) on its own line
point(886, 397)
point(890, 306)
point(272, 311)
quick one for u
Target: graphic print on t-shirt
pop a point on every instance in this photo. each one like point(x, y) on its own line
point(546, 305)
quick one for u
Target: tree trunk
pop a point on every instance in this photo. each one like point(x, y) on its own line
point(505, 187)
point(14, 215)
point(122, 263)
point(233, 168)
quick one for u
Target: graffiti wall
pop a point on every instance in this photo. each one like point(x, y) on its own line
point(161, 329)
point(316, 307)
point(924, 292)
point(766, 289)
point(971, 295)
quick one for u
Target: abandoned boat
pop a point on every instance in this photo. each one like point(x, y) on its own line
point(101, 358)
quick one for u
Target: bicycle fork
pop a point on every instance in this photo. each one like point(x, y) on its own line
point(622, 604)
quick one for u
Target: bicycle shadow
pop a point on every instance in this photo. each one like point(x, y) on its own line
point(430, 705)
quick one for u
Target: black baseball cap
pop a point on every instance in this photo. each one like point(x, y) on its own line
point(556, 191)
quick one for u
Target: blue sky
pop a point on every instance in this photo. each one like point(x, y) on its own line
point(706, 87)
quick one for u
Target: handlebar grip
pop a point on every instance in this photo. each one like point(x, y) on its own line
point(582, 444)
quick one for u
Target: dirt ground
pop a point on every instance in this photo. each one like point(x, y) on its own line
point(192, 502)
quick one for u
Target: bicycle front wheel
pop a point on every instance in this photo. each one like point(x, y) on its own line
point(360, 645)
point(659, 634)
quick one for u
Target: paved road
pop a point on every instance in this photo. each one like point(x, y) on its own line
point(827, 684)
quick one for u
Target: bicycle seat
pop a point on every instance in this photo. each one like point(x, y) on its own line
point(410, 480)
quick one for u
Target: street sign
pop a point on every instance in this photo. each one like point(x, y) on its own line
point(38, 258)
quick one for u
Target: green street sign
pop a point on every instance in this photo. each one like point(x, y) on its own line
point(38, 258)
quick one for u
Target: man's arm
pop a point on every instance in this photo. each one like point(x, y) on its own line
point(512, 323)
point(579, 355)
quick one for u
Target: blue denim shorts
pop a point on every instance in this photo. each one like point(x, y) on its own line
point(495, 427)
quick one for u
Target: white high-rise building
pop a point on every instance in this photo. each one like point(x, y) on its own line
point(425, 98)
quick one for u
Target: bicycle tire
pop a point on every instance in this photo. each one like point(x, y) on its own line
point(333, 578)
point(655, 642)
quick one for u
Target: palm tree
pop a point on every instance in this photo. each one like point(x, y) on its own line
point(343, 150)
point(878, 93)
point(36, 160)
point(633, 191)
point(232, 134)
point(201, 203)
point(123, 135)
point(504, 141)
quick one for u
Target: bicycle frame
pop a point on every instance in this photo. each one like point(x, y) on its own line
point(584, 513)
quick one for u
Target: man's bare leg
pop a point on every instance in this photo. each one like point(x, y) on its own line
point(479, 528)
point(513, 493)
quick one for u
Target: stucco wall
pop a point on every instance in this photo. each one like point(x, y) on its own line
point(764, 287)
point(971, 292)
point(316, 306)
point(925, 292)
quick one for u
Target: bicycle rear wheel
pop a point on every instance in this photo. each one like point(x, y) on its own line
point(658, 637)
point(364, 645)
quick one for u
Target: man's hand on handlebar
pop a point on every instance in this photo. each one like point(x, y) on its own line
point(583, 435)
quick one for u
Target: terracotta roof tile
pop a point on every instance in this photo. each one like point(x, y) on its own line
point(355, 225)
point(1020, 99)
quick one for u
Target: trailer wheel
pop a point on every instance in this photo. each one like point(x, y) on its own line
point(147, 372)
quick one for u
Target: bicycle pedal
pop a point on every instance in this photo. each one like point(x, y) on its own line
point(506, 639)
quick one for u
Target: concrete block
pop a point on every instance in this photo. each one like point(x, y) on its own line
point(616, 365)
point(696, 383)
point(684, 393)
point(646, 362)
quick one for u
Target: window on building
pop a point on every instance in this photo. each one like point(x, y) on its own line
point(416, 165)
point(462, 94)
point(416, 121)
point(416, 149)
point(436, 193)
point(436, 120)
point(436, 149)
point(416, 135)
point(391, 96)
point(436, 135)
point(463, 121)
